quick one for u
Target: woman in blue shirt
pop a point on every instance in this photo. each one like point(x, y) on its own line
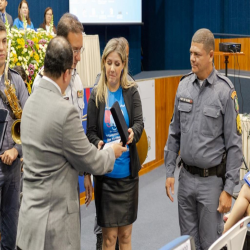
point(116, 193)
point(23, 12)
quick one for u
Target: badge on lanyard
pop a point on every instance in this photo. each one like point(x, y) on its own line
point(182, 99)
point(79, 93)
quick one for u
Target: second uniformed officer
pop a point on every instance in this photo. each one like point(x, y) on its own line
point(205, 128)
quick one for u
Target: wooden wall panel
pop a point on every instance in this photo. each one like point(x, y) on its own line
point(165, 90)
point(235, 62)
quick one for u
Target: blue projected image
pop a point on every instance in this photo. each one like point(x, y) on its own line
point(106, 11)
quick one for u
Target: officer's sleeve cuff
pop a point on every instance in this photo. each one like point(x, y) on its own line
point(169, 175)
point(18, 147)
point(229, 186)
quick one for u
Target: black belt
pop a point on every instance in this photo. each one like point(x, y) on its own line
point(203, 172)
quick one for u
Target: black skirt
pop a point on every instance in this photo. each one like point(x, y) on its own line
point(116, 201)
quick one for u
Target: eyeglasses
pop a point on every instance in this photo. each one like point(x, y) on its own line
point(76, 51)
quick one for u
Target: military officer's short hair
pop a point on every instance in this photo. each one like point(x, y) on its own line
point(206, 37)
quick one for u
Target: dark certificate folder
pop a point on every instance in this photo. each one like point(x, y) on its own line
point(120, 122)
point(3, 124)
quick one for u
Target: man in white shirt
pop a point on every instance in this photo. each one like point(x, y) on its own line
point(70, 28)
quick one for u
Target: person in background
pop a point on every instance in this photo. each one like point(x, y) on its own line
point(23, 12)
point(126, 44)
point(48, 13)
point(4, 14)
point(98, 229)
point(116, 194)
point(10, 153)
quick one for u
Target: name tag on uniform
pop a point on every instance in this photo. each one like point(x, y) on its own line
point(182, 99)
point(79, 93)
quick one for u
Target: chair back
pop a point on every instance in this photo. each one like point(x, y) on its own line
point(234, 238)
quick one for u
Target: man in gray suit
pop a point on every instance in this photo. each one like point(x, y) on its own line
point(4, 14)
point(55, 150)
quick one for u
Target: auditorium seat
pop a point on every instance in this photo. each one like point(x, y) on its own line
point(234, 238)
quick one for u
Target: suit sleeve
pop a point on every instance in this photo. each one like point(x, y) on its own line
point(233, 143)
point(172, 147)
point(80, 153)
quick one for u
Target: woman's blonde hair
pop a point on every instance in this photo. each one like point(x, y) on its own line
point(118, 46)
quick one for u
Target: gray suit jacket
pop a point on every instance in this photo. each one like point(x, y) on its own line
point(55, 149)
point(10, 20)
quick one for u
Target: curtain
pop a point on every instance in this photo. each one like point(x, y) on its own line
point(90, 63)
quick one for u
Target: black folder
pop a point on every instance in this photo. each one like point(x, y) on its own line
point(3, 124)
point(120, 122)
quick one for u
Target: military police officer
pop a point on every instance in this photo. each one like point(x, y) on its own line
point(205, 128)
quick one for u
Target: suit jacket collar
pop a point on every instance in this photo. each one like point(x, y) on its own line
point(45, 84)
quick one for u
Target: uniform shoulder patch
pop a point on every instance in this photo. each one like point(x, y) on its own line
point(224, 78)
point(233, 94)
point(238, 125)
point(186, 75)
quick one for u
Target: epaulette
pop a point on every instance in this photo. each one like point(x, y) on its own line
point(12, 70)
point(130, 78)
point(186, 75)
point(226, 80)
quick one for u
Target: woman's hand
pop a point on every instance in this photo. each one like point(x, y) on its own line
point(131, 136)
point(100, 144)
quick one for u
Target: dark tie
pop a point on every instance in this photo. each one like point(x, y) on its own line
point(3, 17)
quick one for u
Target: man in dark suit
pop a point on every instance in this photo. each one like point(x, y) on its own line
point(3, 14)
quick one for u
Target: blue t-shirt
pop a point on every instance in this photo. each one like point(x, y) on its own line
point(19, 24)
point(110, 133)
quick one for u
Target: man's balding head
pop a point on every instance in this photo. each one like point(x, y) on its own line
point(58, 58)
